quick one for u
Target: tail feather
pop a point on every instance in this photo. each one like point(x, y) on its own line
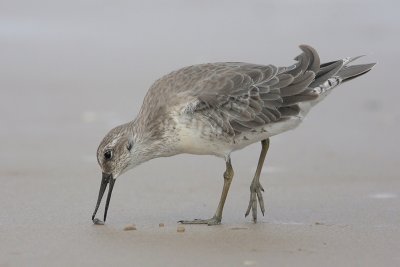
point(326, 72)
point(334, 73)
point(350, 72)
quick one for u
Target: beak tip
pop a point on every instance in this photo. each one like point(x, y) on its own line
point(107, 179)
point(97, 222)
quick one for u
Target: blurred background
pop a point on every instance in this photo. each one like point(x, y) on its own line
point(72, 70)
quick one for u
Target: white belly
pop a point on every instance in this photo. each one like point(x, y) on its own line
point(202, 139)
point(195, 141)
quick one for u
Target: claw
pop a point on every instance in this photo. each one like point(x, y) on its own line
point(255, 195)
point(248, 210)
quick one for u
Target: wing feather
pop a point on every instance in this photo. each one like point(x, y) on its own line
point(239, 97)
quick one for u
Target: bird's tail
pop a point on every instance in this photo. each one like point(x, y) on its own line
point(348, 73)
point(332, 74)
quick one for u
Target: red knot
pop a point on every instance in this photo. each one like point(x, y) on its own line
point(216, 109)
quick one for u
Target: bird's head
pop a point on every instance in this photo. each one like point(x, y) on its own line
point(114, 156)
point(114, 152)
point(125, 147)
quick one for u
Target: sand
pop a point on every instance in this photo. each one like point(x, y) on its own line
point(130, 227)
point(71, 70)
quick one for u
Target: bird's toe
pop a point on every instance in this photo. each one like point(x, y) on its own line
point(212, 221)
point(255, 196)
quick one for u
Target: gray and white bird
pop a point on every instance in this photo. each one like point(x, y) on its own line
point(216, 109)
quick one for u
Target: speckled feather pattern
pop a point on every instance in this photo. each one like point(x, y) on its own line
point(217, 108)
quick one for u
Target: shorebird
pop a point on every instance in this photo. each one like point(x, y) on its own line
point(216, 109)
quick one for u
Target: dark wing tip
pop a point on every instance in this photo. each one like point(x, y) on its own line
point(353, 71)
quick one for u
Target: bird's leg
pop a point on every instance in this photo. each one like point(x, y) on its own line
point(216, 219)
point(256, 187)
point(228, 175)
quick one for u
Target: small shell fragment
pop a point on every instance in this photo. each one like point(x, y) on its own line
point(97, 221)
point(130, 227)
point(161, 225)
point(180, 229)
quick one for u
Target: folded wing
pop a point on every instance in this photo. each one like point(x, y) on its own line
point(240, 97)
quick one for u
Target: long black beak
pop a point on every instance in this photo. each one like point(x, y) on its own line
point(106, 179)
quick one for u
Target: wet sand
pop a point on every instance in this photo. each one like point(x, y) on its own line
point(70, 71)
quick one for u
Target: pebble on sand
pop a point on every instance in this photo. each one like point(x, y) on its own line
point(180, 229)
point(161, 225)
point(130, 227)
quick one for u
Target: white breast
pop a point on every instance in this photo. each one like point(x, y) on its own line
point(196, 141)
point(198, 137)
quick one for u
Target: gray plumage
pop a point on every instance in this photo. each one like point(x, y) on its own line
point(217, 108)
point(238, 97)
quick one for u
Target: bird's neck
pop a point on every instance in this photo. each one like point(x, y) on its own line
point(149, 143)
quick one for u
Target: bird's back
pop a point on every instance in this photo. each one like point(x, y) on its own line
point(241, 98)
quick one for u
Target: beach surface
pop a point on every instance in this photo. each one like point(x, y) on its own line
point(72, 70)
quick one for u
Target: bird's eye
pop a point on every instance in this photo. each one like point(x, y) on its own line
point(129, 147)
point(108, 154)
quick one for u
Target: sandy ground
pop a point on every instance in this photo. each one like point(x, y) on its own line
point(71, 70)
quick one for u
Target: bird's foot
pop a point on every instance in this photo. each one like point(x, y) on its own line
point(213, 221)
point(256, 190)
